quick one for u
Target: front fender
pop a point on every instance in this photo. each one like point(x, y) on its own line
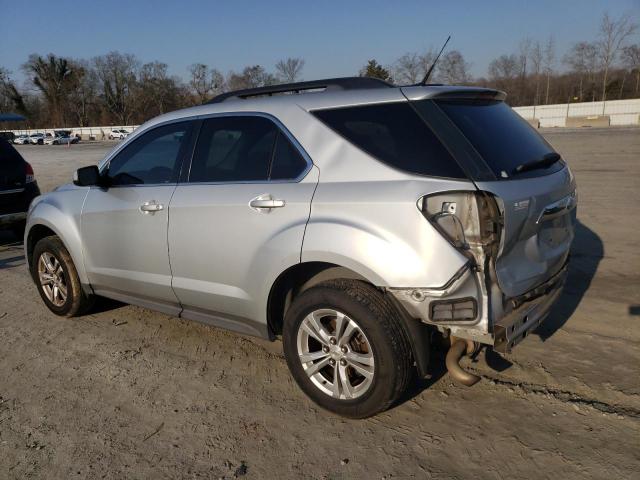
point(60, 212)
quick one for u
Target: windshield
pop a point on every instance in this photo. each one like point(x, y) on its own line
point(503, 138)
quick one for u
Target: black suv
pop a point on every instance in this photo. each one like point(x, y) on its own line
point(18, 187)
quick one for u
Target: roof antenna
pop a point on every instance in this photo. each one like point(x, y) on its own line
point(426, 77)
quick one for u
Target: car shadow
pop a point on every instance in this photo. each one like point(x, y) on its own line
point(11, 253)
point(586, 253)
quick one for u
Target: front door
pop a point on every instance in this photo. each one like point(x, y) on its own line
point(124, 226)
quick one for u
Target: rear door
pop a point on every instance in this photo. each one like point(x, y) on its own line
point(537, 196)
point(12, 179)
point(238, 220)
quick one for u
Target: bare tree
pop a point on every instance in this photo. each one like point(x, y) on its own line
point(205, 82)
point(524, 52)
point(453, 69)
point(582, 59)
point(251, 77)
point(54, 77)
point(631, 58)
point(503, 71)
point(10, 98)
point(549, 61)
point(411, 68)
point(117, 74)
point(536, 62)
point(289, 70)
point(613, 33)
point(83, 98)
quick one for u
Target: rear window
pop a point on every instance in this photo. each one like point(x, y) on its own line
point(503, 138)
point(394, 134)
point(9, 156)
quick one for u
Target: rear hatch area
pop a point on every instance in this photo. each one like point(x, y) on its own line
point(532, 186)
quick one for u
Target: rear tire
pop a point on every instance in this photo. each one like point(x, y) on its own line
point(57, 279)
point(346, 348)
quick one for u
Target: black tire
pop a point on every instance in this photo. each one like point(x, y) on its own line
point(379, 320)
point(77, 301)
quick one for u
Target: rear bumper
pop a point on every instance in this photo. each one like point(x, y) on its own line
point(529, 312)
point(502, 331)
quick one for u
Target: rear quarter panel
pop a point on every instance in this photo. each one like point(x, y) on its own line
point(377, 230)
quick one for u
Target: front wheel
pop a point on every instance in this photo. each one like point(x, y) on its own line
point(57, 279)
point(346, 349)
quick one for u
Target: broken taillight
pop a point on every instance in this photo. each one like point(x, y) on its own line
point(28, 171)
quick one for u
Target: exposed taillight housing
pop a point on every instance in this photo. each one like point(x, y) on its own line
point(468, 219)
point(28, 171)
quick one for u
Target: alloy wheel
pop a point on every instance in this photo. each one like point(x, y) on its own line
point(335, 354)
point(52, 279)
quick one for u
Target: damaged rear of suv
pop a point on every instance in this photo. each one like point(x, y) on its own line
point(502, 198)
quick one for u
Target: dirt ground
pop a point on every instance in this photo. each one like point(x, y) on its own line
point(129, 393)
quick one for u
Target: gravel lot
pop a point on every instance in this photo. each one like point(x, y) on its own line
point(129, 393)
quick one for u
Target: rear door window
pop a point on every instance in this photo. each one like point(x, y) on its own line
point(394, 134)
point(233, 149)
point(502, 138)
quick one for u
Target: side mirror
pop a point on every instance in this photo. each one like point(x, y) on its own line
point(87, 176)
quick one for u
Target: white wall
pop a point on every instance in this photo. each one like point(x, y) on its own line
point(622, 112)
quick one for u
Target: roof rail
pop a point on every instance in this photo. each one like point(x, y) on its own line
point(345, 83)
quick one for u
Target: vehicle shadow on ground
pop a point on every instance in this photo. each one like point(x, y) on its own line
point(11, 253)
point(586, 253)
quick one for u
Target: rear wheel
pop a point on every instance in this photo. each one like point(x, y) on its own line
point(57, 279)
point(346, 348)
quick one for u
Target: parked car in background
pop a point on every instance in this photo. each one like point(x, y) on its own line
point(22, 140)
point(61, 139)
point(8, 136)
point(38, 138)
point(355, 222)
point(118, 134)
point(18, 187)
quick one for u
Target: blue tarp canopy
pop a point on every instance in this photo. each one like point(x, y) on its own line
point(11, 117)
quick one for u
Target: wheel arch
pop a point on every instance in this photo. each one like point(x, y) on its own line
point(302, 276)
point(295, 280)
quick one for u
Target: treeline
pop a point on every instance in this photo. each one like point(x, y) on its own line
point(119, 89)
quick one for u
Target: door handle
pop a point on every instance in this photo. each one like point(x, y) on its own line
point(266, 202)
point(151, 207)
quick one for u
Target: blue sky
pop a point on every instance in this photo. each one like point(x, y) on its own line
point(334, 37)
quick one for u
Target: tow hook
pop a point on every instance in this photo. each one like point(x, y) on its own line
point(458, 348)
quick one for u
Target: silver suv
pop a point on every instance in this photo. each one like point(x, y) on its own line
point(352, 218)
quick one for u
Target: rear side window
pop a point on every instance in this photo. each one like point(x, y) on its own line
point(288, 163)
point(394, 134)
point(500, 135)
